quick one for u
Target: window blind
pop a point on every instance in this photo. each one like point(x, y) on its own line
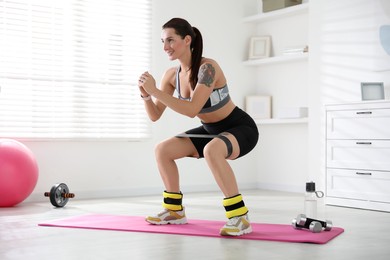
point(69, 69)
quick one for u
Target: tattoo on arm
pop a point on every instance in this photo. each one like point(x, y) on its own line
point(206, 74)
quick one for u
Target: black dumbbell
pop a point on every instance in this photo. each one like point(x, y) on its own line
point(59, 195)
point(314, 225)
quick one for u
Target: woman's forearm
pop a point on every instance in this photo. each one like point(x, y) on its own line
point(152, 109)
point(180, 106)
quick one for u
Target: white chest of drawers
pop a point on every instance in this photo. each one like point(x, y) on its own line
point(358, 155)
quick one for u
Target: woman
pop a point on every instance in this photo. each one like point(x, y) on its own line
point(226, 132)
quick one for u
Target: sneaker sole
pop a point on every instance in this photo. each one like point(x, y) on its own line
point(166, 222)
point(242, 232)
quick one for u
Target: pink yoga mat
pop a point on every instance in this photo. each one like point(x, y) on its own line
point(208, 228)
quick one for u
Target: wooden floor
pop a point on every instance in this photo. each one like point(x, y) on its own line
point(366, 236)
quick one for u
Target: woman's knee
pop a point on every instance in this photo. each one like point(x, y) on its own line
point(161, 149)
point(215, 150)
point(175, 148)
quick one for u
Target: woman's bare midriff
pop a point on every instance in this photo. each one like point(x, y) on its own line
point(219, 114)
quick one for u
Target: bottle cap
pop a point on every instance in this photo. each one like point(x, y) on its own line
point(310, 187)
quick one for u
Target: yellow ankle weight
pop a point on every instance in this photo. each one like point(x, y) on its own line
point(173, 201)
point(235, 206)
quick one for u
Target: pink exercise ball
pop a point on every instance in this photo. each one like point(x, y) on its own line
point(18, 172)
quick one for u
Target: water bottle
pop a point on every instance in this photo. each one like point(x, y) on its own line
point(311, 196)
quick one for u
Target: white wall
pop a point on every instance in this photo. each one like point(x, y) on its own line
point(109, 168)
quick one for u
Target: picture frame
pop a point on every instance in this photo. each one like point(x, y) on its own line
point(258, 106)
point(372, 91)
point(260, 47)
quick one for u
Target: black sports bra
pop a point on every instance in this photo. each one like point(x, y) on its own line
point(218, 98)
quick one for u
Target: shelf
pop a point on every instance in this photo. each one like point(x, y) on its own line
point(274, 121)
point(281, 13)
point(277, 59)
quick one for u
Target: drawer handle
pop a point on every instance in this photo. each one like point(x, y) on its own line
point(364, 173)
point(364, 113)
point(366, 143)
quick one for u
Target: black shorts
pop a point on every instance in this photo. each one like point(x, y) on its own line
point(237, 123)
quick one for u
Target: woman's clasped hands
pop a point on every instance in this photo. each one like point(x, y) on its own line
point(147, 82)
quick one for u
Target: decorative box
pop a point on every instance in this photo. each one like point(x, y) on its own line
point(293, 112)
point(271, 5)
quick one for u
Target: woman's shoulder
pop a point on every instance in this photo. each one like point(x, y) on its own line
point(170, 75)
point(213, 63)
point(208, 60)
point(220, 77)
point(170, 72)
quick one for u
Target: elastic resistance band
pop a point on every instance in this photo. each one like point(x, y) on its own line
point(228, 144)
point(222, 137)
point(196, 135)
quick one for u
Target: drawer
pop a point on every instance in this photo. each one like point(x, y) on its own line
point(358, 124)
point(359, 185)
point(358, 154)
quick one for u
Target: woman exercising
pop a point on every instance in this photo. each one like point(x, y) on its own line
point(226, 131)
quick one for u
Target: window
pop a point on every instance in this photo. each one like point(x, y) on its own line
point(69, 69)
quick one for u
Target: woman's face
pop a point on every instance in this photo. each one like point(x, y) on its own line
point(173, 44)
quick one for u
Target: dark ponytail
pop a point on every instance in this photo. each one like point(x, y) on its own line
point(197, 51)
point(183, 28)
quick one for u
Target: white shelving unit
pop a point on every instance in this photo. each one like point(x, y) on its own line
point(281, 59)
point(277, 59)
point(273, 121)
point(281, 13)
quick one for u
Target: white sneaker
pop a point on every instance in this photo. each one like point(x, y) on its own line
point(168, 217)
point(236, 226)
